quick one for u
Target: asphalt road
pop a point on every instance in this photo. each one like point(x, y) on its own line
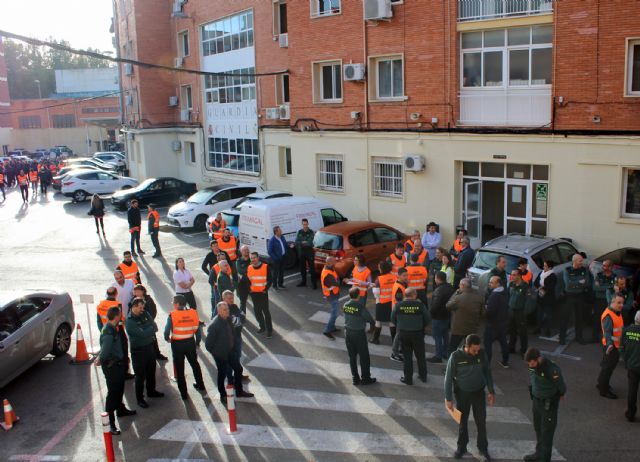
point(305, 408)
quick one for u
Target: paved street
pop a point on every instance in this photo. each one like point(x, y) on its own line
point(305, 406)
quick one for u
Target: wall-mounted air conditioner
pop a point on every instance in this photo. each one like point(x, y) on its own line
point(185, 115)
point(284, 40)
point(173, 101)
point(176, 145)
point(353, 72)
point(128, 69)
point(414, 163)
point(178, 62)
point(375, 10)
point(284, 112)
point(273, 113)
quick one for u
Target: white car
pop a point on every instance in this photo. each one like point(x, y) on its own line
point(193, 212)
point(82, 184)
point(114, 158)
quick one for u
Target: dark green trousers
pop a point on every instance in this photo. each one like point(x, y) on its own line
point(545, 419)
point(357, 345)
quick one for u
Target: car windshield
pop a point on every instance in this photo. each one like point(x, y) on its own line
point(486, 259)
point(230, 219)
point(244, 200)
point(201, 197)
point(327, 241)
point(144, 184)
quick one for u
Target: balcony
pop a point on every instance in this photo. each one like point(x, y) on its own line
point(505, 107)
point(478, 10)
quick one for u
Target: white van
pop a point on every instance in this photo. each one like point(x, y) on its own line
point(257, 220)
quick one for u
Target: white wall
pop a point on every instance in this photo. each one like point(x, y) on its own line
point(75, 138)
point(86, 80)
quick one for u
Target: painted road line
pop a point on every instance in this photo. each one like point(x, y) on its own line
point(361, 404)
point(335, 441)
point(323, 317)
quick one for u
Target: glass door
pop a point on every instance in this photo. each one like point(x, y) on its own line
point(517, 206)
point(473, 212)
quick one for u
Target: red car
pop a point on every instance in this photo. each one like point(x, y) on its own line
point(345, 240)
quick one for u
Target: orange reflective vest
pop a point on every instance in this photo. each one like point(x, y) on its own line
point(258, 277)
point(397, 263)
point(397, 286)
point(360, 277)
point(618, 325)
point(409, 245)
point(130, 271)
point(527, 277)
point(385, 283)
point(457, 246)
point(229, 247)
point(156, 218)
point(418, 275)
point(217, 227)
point(184, 324)
point(103, 308)
point(1, 178)
point(23, 180)
point(326, 290)
point(33, 176)
point(422, 257)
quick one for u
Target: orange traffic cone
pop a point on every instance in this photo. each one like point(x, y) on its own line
point(82, 357)
point(10, 417)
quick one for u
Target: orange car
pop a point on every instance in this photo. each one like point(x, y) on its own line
point(345, 240)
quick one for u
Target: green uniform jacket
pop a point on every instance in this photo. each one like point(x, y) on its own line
point(356, 315)
point(576, 281)
point(602, 283)
point(410, 315)
point(110, 344)
point(225, 282)
point(518, 296)
point(467, 373)
point(631, 347)
point(140, 329)
point(304, 240)
point(628, 298)
point(547, 381)
point(242, 265)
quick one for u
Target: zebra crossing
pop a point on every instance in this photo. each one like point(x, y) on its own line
point(437, 437)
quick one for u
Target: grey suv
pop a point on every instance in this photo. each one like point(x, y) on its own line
point(536, 249)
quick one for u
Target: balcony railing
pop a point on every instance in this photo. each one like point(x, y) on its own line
point(475, 10)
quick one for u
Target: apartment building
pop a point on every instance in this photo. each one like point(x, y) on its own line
point(5, 124)
point(496, 115)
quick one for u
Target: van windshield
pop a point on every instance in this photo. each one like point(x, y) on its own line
point(230, 219)
point(327, 241)
point(485, 259)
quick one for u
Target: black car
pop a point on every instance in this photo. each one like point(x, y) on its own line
point(159, 191)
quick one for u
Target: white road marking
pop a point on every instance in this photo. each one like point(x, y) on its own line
point(361, 404)
point(335, 441)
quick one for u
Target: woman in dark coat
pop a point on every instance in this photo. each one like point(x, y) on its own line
point(97, 211)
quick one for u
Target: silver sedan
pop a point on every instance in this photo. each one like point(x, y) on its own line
point(32, 325)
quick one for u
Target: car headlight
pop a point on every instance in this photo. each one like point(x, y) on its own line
point(177, 214)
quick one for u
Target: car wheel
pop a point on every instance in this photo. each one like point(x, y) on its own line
point(62, 340)
point(79, 196)
point(200, 224)
point(290, 258)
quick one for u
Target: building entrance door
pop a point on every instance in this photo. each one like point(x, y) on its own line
point(517, 207)
point(473, 212)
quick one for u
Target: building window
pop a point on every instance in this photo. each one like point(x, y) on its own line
point(96, 110)
point(282, 88)
point(185, 97)
point(386, 79)
point(228, 34)
point(234, 87)
point(633, 64)
point(237, 154)
point(327, 78)
point(388, 178)
point(183, 43)
point(631, 193)
point(521, 57)
point(63, 121)
point(190, 152)
point(279, 17)
point(324, 7)
point(29, 122)
point(284, 155)
point(330, 173)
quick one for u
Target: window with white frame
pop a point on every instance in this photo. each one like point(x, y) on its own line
point(330, 173)
point(388, 177)
point(515, 57)
point(190, 153)
point(228, 34)
point(282, 88)
point(183, 43)
point(279, 17)
point(186, 97)
point(631, 193)
point(633, 65)
point(387, 79)
point(324, 7)
point(284, 154)
point(327, 82)
point(235, 86)
point(237, 154)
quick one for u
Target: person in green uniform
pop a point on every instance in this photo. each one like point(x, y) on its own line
point(304, 246)
point(468, 374)
point(630, 348)
point(114, 367)
point(411, 317)
point(518, 292)
point(547, 388)
point(356, 318)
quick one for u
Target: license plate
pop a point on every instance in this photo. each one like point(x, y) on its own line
point(321, 255)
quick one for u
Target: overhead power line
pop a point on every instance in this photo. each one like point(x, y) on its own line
point(75, 101)
point(94, 54)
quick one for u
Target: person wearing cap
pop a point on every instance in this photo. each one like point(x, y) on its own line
point(140, 291)
point(547, 389)
point(630, 348)
point(184, 332)
point(153, 220)
point(431, 240)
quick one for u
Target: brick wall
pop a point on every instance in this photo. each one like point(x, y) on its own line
point(68, 106)
point(5, 119)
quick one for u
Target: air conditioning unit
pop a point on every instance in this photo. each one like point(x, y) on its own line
point(353, 72)
point(284, 112)
point(128, 69)
point(284, 40)
point(414, 163)
point(177, 6)
point(375, 10)
point(179, 62)
point(185, 115)
point(173, 101)
point(273, 113)
point(129, 100)
point(176, 145)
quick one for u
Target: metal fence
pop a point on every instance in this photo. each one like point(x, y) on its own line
point(473, 10)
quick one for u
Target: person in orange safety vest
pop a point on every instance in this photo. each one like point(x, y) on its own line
point(612, 324)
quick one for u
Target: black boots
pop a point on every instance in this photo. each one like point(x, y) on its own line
point(375, 338)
